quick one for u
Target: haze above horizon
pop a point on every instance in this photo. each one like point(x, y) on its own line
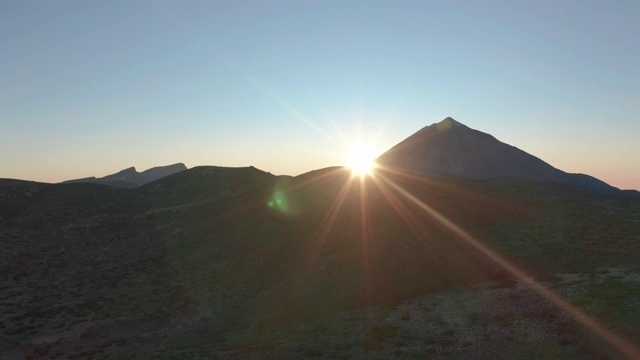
point(90, 88)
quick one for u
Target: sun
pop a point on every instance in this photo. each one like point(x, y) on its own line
point(361, 160)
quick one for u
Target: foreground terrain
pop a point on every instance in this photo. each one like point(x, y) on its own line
point(238, 263)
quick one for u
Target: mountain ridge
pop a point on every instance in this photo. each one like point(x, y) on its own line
point(239, 253)
point(131, 178)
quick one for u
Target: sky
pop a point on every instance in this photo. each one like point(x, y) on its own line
point(88, 88)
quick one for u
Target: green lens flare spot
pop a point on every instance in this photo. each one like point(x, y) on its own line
point(279, 201)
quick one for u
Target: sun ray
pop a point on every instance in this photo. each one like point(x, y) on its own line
point(619, 343)
point(288, 106)
point(407, 216)
point(315, 179)
point(326, 224)
point(469, 194)
point(365, 224)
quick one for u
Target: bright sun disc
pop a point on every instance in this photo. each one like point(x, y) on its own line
point(361, 161)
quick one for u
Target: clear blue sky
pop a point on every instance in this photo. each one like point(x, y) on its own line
point(91, 87)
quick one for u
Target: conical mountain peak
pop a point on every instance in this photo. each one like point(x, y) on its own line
point(448, 123)
point(449, 147)
point(449, 120)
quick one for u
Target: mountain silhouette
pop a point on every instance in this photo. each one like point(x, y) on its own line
point(241, 252)
point(449, 147)
point(324, 262)
point(131, 178)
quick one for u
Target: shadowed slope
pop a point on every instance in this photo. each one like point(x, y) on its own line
point(450, 147)
point(254, 252)
point(204, 184)
point(341, 244)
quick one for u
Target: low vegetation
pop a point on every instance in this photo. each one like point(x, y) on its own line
point(89, 271)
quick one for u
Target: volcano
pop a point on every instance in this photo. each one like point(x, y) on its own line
point(452, 148)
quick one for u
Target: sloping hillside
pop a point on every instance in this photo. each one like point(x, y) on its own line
point(263, 262)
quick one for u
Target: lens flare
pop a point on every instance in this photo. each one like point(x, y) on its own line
point(361, 161)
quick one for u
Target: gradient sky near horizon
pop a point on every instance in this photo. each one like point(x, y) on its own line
point(88, 88)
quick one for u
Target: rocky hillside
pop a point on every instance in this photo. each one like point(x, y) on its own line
point(238, 263)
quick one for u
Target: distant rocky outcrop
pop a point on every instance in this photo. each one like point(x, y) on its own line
point(449, 147)
point(131, 178)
